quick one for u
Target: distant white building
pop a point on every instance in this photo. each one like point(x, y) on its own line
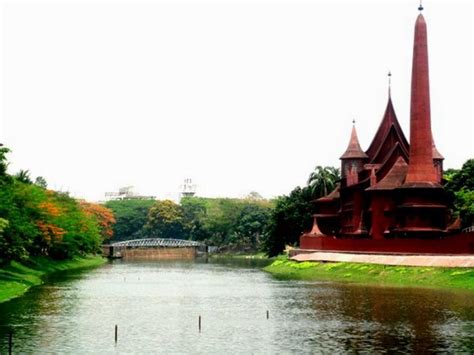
point(126, 193)
point(188, 189)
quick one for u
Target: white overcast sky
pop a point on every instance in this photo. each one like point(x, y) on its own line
point(240, 96)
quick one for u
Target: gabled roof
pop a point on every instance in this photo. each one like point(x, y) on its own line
point(394, 178)
point(390, 160)
point(354, 151)
point(389, 128)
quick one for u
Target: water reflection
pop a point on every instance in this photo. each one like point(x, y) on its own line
point(156, 306)
point(409, 320)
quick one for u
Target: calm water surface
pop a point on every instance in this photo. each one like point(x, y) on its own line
point(156, 307)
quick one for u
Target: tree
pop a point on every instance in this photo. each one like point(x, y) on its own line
point(3, 163)
point(255, 196)
point(251, 225)
point(131, 216)
point(236, 224)
point(194, 217)
point(460, 179)
point(291, 216)
point(460, 187)
point(24, 177)
point(37, 221)
point(41, 182)
point(103, 215)
point(165, 220)
point(323, 180)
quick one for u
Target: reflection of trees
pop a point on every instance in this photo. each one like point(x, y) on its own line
point(32, 313)
point(413, 320)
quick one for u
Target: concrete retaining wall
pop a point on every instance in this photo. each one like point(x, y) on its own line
point(158, 253)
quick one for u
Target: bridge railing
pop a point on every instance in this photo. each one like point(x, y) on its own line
point(157, 242)
point(468, 229)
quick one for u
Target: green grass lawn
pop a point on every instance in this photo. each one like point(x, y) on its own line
point(17, 278)
point(386, 275)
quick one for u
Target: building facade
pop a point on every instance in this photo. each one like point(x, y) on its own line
point(390, 196)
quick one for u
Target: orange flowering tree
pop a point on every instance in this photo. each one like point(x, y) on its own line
point(103, 215)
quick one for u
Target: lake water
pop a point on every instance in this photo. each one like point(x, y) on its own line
point(156, 306)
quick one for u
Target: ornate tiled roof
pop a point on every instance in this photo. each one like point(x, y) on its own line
point(388, 133)
point(394, 178)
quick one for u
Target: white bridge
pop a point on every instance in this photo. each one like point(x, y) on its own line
point(157, 242)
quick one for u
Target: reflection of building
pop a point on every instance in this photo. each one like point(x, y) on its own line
point(390, 197)
point(126, 193)
point(188, 189)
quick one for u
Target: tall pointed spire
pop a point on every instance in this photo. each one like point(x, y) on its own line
point(420, 168)
point(420, 8)
point(389, 84)
point(353, 149)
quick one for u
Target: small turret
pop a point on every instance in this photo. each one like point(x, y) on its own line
point(353, 159)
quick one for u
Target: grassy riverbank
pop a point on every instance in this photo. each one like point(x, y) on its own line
point(17, 278)
point(255, 256)
point(259, 260)
point(399, 276)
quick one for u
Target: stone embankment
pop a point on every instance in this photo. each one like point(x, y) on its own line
point(386, 259)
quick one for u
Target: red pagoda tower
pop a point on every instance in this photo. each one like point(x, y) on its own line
point(390, 198)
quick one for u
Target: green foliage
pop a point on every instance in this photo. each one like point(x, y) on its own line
point(464, 203)
point(24, 177)
point(17, 206)
point(460, 186)
point(238, 224)
point(323, 180)
point(165, 220)
point(293, 214)
point(3, 164)
point(36, 221)
point(460, 179)
point(131, 216)
point(41, 182)
point(231, 223)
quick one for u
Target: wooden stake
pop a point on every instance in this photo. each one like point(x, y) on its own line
point(116, 332)
point(199, 323)
point(268, 314)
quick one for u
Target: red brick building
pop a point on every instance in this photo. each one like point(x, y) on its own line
point(390, 197)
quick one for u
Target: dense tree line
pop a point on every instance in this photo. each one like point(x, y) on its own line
point(38, 221)
point(292, 214)
point(460, 185)
point(130, 216)
point(223, 222)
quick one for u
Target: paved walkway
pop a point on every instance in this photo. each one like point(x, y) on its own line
point(386, 259)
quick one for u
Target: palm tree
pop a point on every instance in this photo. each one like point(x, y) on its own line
point(24, 176)
point(323, 180)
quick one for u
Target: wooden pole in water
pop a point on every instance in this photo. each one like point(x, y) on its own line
point(10, 342)
point(199, 323)
point(268, 314)
point(116, 332)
